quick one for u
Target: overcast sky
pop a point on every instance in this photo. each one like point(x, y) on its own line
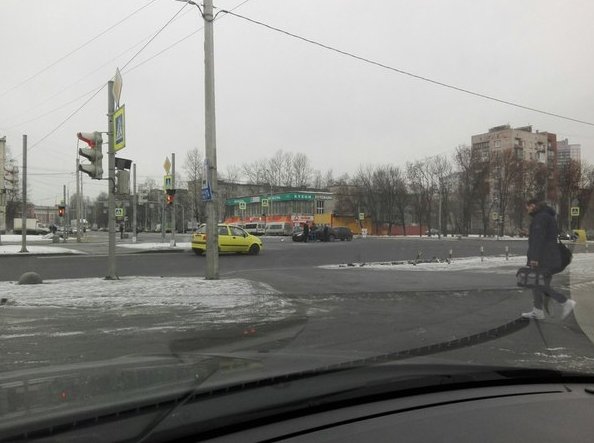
point(276, 92)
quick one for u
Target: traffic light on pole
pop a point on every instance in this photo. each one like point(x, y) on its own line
point(61, 210)
point(170, 196)
point(93, 153)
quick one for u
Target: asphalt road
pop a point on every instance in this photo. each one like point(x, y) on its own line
point(280, 261)
point(353, 314)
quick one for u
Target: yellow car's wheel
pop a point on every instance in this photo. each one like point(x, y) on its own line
point(254, 250)
point(198, 251)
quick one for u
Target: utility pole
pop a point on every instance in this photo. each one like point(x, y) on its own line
point(111, 261)
point(64, 219)
point(212, 240)
point(77, 200)
point(134, 203)
point(172, 243)
point(24, 215)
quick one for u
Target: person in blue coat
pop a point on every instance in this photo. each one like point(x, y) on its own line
point(543, 256)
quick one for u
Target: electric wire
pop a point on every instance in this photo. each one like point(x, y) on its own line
point(72, 114)
point(64, 57)
point(410, 74)
point(124, 71)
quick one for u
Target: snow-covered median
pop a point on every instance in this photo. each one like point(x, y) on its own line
point(35, 249)
point(139, 291)
point(581, 267)
point(157, 246)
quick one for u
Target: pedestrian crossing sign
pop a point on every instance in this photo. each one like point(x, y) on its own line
point(119, 129)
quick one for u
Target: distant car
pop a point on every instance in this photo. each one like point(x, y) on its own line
point(280, 228)
point(568, 236)
point(431, 232)
point(342, 233)
point(231, 239)
point(297, 234)
point(255, 228)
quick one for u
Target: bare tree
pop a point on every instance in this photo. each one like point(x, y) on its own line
point(506, 170)
point(440, 169)
point(423, 186)
point(302, 171)
point(232, 174)
point(194, 169)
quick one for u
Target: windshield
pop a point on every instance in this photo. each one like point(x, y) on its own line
point(408, 178)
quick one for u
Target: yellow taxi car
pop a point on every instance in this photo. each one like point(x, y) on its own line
point(231, 239)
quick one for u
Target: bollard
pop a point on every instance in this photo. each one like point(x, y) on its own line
point(451, 253)
point(507, 253)
point(482, 253)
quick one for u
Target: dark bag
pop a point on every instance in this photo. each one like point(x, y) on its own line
point(529, 278)
point(566, 256)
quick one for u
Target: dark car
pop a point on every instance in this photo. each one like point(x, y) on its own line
point(568, 236)
point(342, 233)
point(297, 234)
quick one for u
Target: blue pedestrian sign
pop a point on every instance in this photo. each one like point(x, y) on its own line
point(119, 129)
point(206, 194)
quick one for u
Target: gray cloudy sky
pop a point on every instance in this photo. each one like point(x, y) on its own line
point(276, 92)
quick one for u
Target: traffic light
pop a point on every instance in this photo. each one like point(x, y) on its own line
point(123, 182)
point(61, 210)
point(93, 153)
point(170, 196)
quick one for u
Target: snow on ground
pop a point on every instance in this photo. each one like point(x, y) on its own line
point(157, 246)
point(582, 265)
point(11, 238)
point(222, 300)
point(137, 291)
point(35, 249)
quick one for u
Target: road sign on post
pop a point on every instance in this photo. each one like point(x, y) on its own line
point(167, 182)
point(119, 129)
point(575, 211)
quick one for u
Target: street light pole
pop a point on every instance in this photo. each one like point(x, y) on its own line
point(212, 219)
point(212, 245)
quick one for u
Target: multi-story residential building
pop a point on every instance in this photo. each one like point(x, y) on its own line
point(526, 145)
point(532, 149)
point(567, 152)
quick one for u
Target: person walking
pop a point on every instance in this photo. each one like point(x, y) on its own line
point(305, 232)
point(543, 255)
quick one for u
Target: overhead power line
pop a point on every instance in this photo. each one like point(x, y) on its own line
point(104, 85)
point(124, 71)
point(410, 74)
point(64, 57)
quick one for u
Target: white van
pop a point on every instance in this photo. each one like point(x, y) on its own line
point(279, 228)
point(255, 228)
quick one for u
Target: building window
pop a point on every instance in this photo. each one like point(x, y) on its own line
point(319, 206)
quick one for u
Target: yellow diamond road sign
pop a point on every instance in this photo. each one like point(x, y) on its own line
point(167, 165)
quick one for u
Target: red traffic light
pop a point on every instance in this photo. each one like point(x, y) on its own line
point(170, 199)
point(61, 210)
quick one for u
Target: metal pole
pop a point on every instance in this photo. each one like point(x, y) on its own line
point(439, 215)
point(83, 211)
point(172, 242)
point(212, 245)
point(24, 215)
point(64, 219)
point(77, 201)
point(162, 197)
point(111, 261)
point(134, 203)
